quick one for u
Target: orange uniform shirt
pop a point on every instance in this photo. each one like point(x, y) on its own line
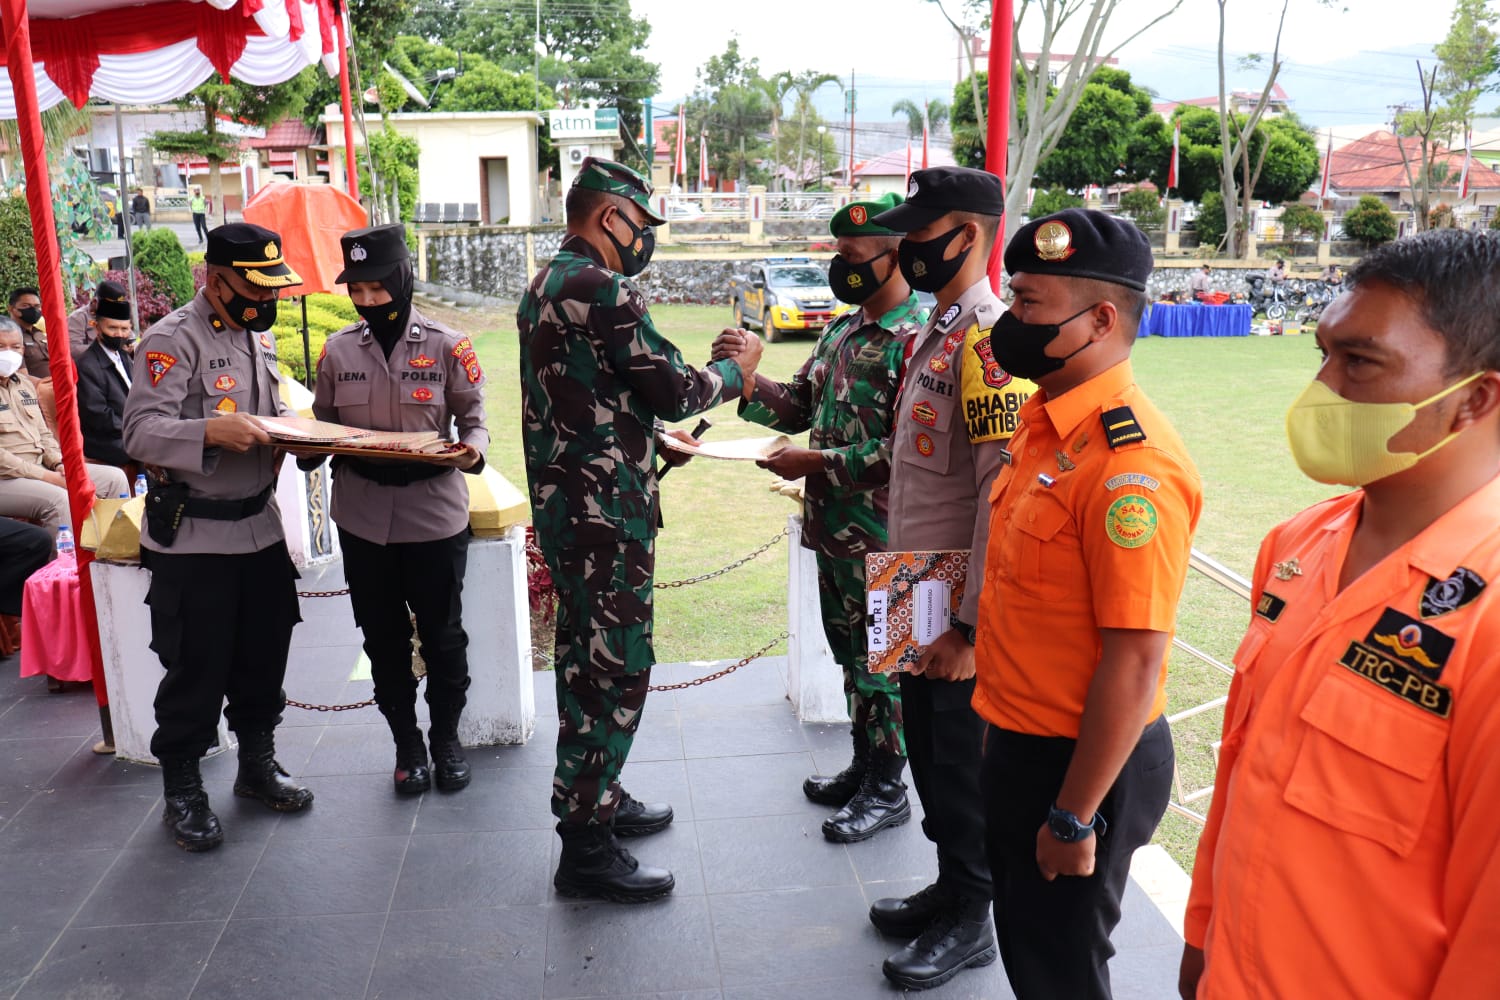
point(1353, 847)
point(1084, 535)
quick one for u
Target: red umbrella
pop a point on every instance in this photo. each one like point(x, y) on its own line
point(310, 219)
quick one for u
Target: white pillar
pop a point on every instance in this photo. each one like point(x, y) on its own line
point(502, 704)
point(814, 679)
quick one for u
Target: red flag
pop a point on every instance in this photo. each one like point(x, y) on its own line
point(1463, 178)
point(1327, 168)
point(924, 136)
point(908, 162)
point(997, 138)
point(1176, 145)
point(703, 163)
point(679, 164)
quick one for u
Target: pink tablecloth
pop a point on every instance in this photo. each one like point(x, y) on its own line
point(52, 636)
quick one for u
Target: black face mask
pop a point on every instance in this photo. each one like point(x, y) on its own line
point(854, 283)
point(1021, 348)
point(385, 320)
point(923, 265)
point(114, 343)
point(252, 314)
point(31, 315)
point(637, 254)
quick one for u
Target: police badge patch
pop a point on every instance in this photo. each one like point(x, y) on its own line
point(1444, 596)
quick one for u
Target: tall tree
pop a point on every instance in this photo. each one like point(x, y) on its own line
point(1424, 126)
point(805, 84)
point(1094, 146)
point(1234, 139)
point(776, 88)
point(1468, 61)
point(934, 113)
point(234, 101)
point(731, 112)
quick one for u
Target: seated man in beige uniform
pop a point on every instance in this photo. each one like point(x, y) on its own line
point(31, 474)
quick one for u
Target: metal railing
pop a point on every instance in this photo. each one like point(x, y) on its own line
point(1221, 575)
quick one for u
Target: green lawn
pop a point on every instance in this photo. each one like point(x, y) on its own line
point(1227, 398)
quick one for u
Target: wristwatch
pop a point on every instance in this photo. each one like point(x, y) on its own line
point(962, 628)
point(1070, 829)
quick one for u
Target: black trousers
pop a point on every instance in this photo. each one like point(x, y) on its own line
point(1054, 936)
point(24, 549)
point(200, 225)
point(428, 579)
point(221, 625)
point(943, 735)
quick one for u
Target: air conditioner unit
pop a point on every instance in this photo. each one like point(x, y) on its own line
point(576, 154)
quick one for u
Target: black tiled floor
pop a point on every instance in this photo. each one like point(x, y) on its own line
point(367, 895)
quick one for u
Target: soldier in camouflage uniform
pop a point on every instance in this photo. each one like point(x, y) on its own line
point(845, 393)
point(595, 377)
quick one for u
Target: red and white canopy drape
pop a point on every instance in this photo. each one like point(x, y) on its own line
point(154, 52)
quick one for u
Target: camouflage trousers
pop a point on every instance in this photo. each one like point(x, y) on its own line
point(874, 699)
point(602, 669)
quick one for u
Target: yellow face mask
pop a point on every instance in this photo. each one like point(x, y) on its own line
point(1336, 440)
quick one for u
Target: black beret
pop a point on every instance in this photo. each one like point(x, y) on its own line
point(1082, 243)
point(254, 251)
point(373, 253)
point(933, 193)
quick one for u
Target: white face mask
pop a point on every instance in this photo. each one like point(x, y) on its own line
point(10, 363)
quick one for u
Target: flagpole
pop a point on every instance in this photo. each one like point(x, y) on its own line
point(997, 137)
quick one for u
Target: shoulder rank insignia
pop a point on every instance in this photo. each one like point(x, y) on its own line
point(1121, 427)
point(1443, 596)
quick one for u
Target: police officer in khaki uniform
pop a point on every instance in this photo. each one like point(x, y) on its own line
point(26, 310)
point(31, 472)
point(223, 594)
point(956, 411)
point(404, 526)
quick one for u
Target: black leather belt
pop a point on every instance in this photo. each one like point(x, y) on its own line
point(389, 473)
point(227, 510)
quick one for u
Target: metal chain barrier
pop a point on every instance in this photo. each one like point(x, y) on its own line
point(327, 708)
point(322, 593)
point(762, 550)
point(696, 681)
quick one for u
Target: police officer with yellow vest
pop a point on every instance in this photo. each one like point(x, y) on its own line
point(404, 526)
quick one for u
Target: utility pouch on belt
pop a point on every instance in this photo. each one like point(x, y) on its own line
point(165, 503)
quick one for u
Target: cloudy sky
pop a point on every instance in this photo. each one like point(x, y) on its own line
point(1343, 66)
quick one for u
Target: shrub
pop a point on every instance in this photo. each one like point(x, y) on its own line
point(1495, 221)
point(1211, 224)
point(1300, 220)
point(1441, 216)
point(1052, 200)
point(326, 314)
point(159, 255)
point(1370, 222)
point(1143, 206)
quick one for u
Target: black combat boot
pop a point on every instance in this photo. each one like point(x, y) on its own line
point(194, 825)
point(879, 803)
point(260, 777)
point(838, 789)
point(594, 866)
point(906, 918)
point(412, 776)
point(449, 767)
point(960, 937)
point(635, 818)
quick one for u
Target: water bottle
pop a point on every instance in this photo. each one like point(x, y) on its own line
point(124, 495)
point(64, 540)
point(141, 485)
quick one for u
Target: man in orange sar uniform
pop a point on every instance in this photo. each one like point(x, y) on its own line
point(1353, 846)
point(1091, 527)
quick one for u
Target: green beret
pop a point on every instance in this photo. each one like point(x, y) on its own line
point(858, 217)
point(597, 174)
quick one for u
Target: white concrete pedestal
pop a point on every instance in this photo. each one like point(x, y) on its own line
point(815, 682)
point(502, 704)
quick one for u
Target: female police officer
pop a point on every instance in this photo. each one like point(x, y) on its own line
point(404, 526)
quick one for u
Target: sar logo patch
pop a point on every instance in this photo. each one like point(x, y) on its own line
point(1423, 645)
point(226, 405)
point(422, 361)
point(925, 413)
point(925, 447)
point(1445, 596)
point(1130, 521)
point(225, 382)
point(421, 395)
point(158, 363)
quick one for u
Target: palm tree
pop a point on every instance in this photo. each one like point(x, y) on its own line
point(805, 84)
point(776, 87)
point(937, 115)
